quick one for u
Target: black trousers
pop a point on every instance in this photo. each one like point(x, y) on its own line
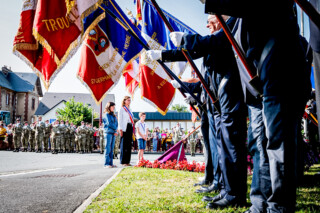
point(125, 145)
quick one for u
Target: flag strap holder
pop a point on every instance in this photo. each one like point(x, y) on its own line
point(171, 74)
point(186, 54)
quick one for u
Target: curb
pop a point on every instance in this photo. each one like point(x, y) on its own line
point(88, 201)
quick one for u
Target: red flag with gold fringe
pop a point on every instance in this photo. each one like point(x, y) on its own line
point(27, 48)
point(58, 35)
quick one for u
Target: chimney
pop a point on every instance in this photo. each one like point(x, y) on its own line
point(6, 70)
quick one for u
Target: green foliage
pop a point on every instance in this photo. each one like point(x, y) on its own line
point(75, 112)
point(179, 108)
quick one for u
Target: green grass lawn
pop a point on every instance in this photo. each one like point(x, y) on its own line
point(157, 190)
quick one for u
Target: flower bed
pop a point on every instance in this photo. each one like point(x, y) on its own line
point(181, 165)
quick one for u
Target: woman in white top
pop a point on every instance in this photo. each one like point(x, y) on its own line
point(126, 125)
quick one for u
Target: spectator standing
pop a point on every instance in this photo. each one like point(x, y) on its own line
point(142, 134)
point(126, 128)
point(155, 140)
point(110, 124)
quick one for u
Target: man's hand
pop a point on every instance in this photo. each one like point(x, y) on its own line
point(190, 100)
point(175, 84)
point(153, 55)
point(176, 38)
point(203, 1)
point(121, 133)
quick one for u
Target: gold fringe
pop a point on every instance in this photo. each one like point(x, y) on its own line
point(25, 46)
point(34, 69)
point(72, 48)
point(93, 25)
point(93, 96)
point(91, 9)
point(69, 5)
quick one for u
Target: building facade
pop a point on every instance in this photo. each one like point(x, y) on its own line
point(19, 95)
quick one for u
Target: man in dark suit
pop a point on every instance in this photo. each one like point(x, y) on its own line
point(230, 126)
point(271, 32)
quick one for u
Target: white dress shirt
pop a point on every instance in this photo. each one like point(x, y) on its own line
point(124, 119)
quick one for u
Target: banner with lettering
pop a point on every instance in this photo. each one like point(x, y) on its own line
point(27, 48)
point(107, 51)
point(59, 36)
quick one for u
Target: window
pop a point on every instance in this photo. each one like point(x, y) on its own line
point(7, 98)
point(12, 103)
point(33, 103)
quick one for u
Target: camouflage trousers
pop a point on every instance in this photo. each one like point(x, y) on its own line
point(16, 140)
point(53, 143)
point(46, 142)
point(66, 144)
point(24, 141)
point(39, 140)
point(31, 142)
point(101, 144)
point(72, 143)
point(193, 146)
point(82, 142)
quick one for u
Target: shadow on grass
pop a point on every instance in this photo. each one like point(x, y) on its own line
point(310, 181)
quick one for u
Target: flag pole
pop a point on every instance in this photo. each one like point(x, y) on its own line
point(168, 71)
point(185, 52)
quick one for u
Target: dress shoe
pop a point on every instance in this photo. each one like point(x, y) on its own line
point(212, 199)
point(208, 189)
point(248, 211)
point(202, 183)
point(222, 203)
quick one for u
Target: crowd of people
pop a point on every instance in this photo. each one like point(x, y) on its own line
point(58, 137)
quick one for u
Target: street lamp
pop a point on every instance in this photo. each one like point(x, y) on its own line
point(91, 114)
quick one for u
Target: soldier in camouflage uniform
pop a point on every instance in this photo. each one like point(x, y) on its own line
point(193, 141)
point(40, 126)
point(67, 137)
point(90, 141)
point(62, 131)
point(177, 133)
point(55, 137)
point(46, 136)
point(32, 137)
point(101, 139)
point(116, 146)
point(82, 137)
point(72, 129)
point(25, 136)
point(17, 130)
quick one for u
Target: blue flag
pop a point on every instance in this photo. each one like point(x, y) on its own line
point(108, 50)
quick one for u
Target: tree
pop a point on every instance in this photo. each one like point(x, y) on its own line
point(75, 112)
point(179, 108)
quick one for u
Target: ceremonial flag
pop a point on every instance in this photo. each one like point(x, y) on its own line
point(107, 51)
point(58, 35)
point(153, 79)
point(174, 153)
point(28, 49)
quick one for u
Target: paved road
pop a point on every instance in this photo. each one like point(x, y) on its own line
point(42, 182)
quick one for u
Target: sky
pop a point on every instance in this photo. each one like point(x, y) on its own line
point(191, 12)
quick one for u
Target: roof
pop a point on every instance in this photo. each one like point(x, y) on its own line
point(172, 115)
point(51, 99)
point(19, 81)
